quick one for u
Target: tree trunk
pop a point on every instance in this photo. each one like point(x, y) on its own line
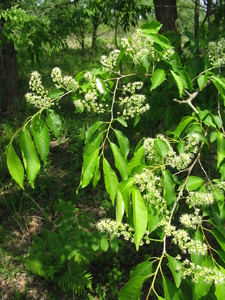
point(196, 18)
point(94, 36)
point(9, 69)
point(166, 14)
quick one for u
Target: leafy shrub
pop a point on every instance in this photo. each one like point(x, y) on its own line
point(162, 191)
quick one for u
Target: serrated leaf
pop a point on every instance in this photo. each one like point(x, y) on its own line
point(111, 180)
point(140, 216)
point(41, 139)
point(104, 244)
point(162, 147)
point(30, 159)
point(158, 39)
point(220, 149)
point(136, 159)
point(173, 264)
point(123, 142)
point(88, 168)
point(168, 188)
point(132, 289)
point(119, 208)
point(120, 161)
point(54, 121)
point(92, 129)
point(15, 166)
point(157, 78)
point(202, 81)
point(142, 269)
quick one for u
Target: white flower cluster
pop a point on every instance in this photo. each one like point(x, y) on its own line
point(200, 199)
point(179, 162)
point(109, 62)
point(123, 230)
point(139, 48)
point(181, 238)
point(134, 104)
point(168, 53)
point(216, 52)
point(66, 82)
point(151, 187)
point(191, 221)
point(131, 87)
point(39, 96)
point(210, 275)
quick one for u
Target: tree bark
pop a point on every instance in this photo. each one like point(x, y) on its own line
point(196, 18)
point(9, 69)
point(166, 14)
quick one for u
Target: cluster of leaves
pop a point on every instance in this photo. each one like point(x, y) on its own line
point(154, 185)
point(63, 255)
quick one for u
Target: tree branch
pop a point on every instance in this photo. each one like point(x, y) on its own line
point(191, 97)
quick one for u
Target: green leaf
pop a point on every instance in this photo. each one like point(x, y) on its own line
point(114, 242)
point(140, 216)
point(220, 291)
point(179, 82)
point(124, 188)
point(121, 121)
point(182, 126)
point(142, 269)
point(111, 180)
point(158, 39)
point(217, 120)
point(201, 288)
point(157, 78)
point(88, 168)
point(213, 136)
point(41, 139)
point(162, 147)
point(173, 264)
point(120, 161)
point(202, 80)
point(30, 159)
point(171, 292)
point(119, 208)
point(123, 142)
point(92, 144)
point(151, 27)
point(54, 121)
point(93, 128)
point(136, 159)
point(104, 244)
point(132, 289)
point(55, 94)
point(194, 182)
point(97, 173)
point(15, 166)
point(219, 237)
point(168, 188)
point(219, 83)
point(220, 149)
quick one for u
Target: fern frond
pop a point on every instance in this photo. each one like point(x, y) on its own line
point(75, 278)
